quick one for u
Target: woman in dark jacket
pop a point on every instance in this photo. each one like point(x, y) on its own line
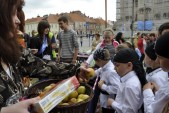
point(43, 41)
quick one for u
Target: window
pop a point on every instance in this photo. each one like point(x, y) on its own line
point(164, 15)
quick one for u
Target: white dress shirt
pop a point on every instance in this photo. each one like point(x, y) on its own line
point(158, 76)
point(156, 103)
point(111, 81)
point(129, 96)
point(90, 58)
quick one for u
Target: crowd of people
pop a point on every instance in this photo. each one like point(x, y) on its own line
point(121, 83)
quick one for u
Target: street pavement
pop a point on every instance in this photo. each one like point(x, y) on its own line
point(86, 45)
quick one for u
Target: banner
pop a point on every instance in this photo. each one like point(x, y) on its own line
point(145, 26)
point(148, 25)
point(140, 25)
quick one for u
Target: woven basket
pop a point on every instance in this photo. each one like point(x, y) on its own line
point(80, 107)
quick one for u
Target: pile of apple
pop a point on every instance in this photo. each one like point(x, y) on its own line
point(76, 96)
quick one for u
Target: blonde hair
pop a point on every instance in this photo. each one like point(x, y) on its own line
point(109, 31)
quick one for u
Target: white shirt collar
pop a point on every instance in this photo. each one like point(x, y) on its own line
point(106, 65)
point(127, 76)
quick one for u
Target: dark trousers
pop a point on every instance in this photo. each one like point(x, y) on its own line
point(93, 103)
point(106, 110)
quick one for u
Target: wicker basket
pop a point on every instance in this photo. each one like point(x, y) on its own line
point(80, 107)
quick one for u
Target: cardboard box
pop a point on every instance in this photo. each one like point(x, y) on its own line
point(55, 96)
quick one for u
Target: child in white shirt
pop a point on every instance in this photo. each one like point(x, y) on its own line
point(157, 75)
point(129, 95)
point(109, 79)
point(157, 100)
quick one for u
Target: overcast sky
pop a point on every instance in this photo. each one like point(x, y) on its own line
point(92, 8)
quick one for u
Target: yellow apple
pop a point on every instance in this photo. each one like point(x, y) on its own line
point(81, 90)
point(65, 104)
point(90, 73)
point(84, 97)
point(73, 100)
point(65, 99)
point(80, 96)
point(47, 88)
point(73, 94)
point(79, 100)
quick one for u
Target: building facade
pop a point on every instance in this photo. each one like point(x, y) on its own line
point(81, 23)
point(148, 15)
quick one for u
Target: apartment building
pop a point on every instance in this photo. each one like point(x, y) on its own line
point(148, 15)
point(81, 23)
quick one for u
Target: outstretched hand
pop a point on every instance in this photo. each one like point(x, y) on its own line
point(20, 107)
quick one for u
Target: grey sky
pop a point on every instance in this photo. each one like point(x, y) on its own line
point(92, 8)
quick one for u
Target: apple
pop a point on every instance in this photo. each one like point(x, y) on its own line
point(79, 100)
point(47, 88)
point(80, 96)
point(65, 99)
point(73, 94)
point(65, 104)
point(90, 73)
point(84, 97)
point(73, 100)
point(81, 90)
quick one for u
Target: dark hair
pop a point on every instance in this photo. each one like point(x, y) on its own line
point(97, 34)
point(163, 27)
point(21, 16)
point(102, 54)
point(142, 35)
point(152, 34)
point(10, 51)
point(119, 37)
point(41, 27)
point(138, 33)
point(162, 45)
point(63, 18)
point(131, 56)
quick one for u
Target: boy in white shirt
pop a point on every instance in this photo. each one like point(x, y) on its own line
point(157, 75)
point(155, 99)
point(109, 79)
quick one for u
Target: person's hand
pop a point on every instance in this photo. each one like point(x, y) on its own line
point(53, 45)
point(74, 62)
point(82, 74)
point(156, 87)
point(85, 64)
point(109, 102)
point(20, 107)
point(100, 83)
point(149, 85)
point(34, 51)
point(58, 58)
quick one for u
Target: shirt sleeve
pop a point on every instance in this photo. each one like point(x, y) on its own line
point(75, 42)
point(90, 58)
point(130, 103)
point(154, 103)
point(113, 85)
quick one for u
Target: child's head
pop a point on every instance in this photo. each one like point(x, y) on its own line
point(162, 51)
point(150, 57)
point(128, 43)
point(120, 47)
point(163, 28)
point(127, 60)
point(108, 35)
point(101, 56)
